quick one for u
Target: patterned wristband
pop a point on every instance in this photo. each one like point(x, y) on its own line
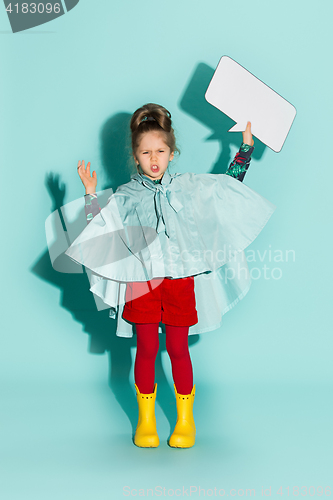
point(245, 147)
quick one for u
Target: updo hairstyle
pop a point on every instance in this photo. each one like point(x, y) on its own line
point(152, 117)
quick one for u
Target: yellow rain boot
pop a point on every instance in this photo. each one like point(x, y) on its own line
point(184, 434)
point(146, 434)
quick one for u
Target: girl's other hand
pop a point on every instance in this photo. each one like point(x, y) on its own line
point(89, 181)
point(247, 135)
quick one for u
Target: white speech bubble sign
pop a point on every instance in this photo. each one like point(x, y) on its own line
point(243, 97)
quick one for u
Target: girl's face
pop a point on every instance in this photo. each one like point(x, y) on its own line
point(153, 155)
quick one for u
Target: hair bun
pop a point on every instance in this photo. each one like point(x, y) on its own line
point(151, 115)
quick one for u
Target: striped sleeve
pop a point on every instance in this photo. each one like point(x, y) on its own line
point(91, 206)
point(238, 167)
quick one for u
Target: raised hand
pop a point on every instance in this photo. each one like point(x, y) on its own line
point(247, 135)
point(89, 181)
point(56, 189)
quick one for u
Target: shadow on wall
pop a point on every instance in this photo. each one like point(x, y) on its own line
point(193, 102)
point(75, 295)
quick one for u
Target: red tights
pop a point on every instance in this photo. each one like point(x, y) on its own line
point(177, 347)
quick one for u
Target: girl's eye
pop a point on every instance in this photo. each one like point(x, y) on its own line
point(161, 151)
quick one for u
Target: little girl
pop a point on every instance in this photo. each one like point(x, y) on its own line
point(158, 247)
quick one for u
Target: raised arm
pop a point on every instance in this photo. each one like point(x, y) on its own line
point(91, 205)
point(241, 162)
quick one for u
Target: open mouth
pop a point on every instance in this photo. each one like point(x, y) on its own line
point(154, 168)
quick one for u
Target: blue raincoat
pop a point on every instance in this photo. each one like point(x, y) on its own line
point(188, 225)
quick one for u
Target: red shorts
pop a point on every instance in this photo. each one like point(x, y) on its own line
point(170, 301)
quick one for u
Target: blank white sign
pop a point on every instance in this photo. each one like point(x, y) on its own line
point(243, 97)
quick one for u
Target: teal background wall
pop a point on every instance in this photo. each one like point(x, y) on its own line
point(263, 407)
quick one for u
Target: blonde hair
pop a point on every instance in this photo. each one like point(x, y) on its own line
point(152, 117)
